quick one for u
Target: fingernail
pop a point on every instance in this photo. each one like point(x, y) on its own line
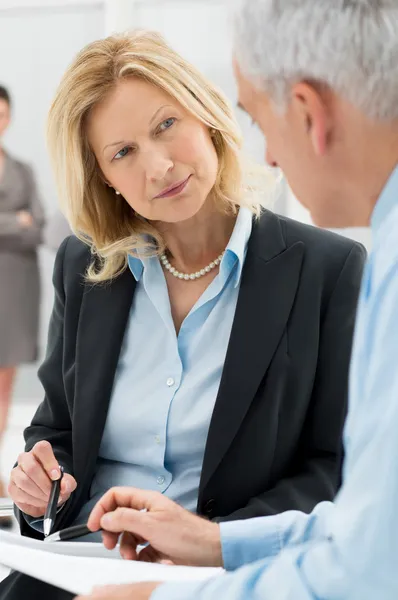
point(106, 520)
point(55, 474)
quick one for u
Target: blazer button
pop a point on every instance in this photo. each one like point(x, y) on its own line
point(209, 507)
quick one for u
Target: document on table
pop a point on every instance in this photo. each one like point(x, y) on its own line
point(6, 507)
point(79, 566)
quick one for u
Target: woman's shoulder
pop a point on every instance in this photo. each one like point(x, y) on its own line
point(75, 250)
point(73, 258)
point(325, 253)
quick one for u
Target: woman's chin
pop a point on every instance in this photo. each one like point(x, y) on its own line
point(179, 211)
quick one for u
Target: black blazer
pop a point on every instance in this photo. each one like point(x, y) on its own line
point(275, 438)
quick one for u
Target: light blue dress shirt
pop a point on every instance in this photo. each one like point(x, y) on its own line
point(347, 550)
point(166, 385)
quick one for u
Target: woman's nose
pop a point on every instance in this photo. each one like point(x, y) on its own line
point(157, 166)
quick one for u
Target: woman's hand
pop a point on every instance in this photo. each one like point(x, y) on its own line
point(25, 218)
point(136, 591)
point(172, 532)
point(30, 481)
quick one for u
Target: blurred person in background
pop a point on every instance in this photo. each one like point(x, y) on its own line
point(21, 222)
point(56, 230)
point(198, 345)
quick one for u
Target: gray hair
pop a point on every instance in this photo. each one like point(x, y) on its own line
point(351, 46)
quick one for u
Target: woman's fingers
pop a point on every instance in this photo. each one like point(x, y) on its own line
point(68, 485)
point(20, 497)
point(26, 484)
point(31, 481)
point(44, 454)
point(28, 463)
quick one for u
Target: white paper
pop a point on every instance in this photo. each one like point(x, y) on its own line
point(88, 549)
point(78, 574)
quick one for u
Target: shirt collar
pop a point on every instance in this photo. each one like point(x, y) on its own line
point(236, 249)
point(136, 266)
point(237, 245)
point(387, 201)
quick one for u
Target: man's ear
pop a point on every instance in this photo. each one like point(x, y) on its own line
point(312, 105)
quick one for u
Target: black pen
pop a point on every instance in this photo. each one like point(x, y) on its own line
point(69, 533)
point(51, 510)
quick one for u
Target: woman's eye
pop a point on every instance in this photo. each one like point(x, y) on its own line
point(167, 124)
point(123, 152)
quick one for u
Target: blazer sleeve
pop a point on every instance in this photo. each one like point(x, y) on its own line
point(316, 473)
point(52, 421)
point(13, 235)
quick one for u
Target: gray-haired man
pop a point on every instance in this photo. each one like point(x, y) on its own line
point(320, 78)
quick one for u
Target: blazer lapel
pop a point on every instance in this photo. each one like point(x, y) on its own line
point(269, 282)
point(102, 324)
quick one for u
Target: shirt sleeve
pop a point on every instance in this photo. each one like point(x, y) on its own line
point(244, 542)
point(354, 554)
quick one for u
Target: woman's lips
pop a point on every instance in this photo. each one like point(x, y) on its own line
point(173, 190)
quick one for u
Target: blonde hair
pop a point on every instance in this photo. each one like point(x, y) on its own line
point(102, 219)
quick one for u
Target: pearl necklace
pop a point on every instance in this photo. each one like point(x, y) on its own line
point(165, 262)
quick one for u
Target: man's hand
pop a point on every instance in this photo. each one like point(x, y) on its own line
point(172, 532)
point(136, 591)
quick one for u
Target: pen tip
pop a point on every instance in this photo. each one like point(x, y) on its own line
point(47, 527)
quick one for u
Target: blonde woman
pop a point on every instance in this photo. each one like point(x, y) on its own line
point(198, 346)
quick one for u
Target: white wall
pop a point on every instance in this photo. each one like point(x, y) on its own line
point(296, 211)
point(36, 45)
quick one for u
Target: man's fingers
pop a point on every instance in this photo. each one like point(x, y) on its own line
point(110, 540)
point(121, 497)
point(126, 519)
point(149, 554)
point(135, 591)
point(43, 452)
point(112, 592)
point(128, 546)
